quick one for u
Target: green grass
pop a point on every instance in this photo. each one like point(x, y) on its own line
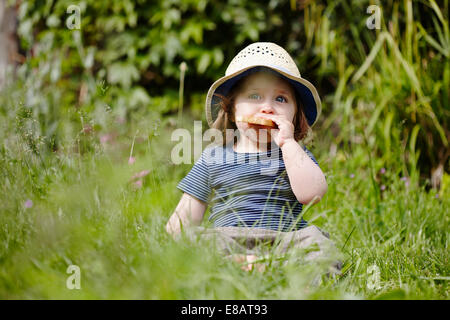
point(86, 212)
point(387, 106)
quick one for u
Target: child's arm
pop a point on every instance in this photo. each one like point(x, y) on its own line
point(189, 211)
point(306, 178)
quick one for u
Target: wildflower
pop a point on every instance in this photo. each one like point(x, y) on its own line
point(383, 170)
point(87, 128)
point(138, 184)
point(352, 175)
point(131, 160)
point(138, 179)
point(105, 138)
point(141, 174)
point(383, 187)
point(406, 180)
point(437, 196)
point(120, 120)
point(28, 204)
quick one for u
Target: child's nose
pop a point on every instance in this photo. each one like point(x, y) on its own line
point(267, 108)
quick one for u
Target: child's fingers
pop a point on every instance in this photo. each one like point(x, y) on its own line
point(247, 262)
point(239, 258)
point(280, 121)
point(260, 267)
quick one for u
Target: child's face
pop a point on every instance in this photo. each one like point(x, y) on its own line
point(263, 93)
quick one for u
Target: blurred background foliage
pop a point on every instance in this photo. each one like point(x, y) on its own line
point(387, 88)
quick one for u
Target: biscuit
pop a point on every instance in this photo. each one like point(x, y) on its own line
point(255, 120)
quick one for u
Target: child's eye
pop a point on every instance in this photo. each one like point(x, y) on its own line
point(254, 96)
point(283, 98)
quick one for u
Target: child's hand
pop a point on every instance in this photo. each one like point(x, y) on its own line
point(247, 264)
point(285, 131)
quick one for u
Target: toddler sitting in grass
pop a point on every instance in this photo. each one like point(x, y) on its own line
point(257, 180)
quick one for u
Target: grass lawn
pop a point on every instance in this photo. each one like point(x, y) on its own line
point(62, 209)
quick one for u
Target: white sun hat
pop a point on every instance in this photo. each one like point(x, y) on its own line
point(257, 56)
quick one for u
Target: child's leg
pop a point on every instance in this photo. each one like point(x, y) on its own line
point(224, 243)
point(311, 244)
point(241, 245)
point(252, 240)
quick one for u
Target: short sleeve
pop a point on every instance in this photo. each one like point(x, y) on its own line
point(310, 155)
point(196, 182)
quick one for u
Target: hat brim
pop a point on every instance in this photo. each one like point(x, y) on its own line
point(307, 92)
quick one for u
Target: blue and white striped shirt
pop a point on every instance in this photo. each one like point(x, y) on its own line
point(250, 189)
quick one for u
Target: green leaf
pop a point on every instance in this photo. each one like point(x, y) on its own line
point(194, 31)
point(122, 73)
point(172, 47)
point(218, 56)
point(413, 138)
point(172, 16)
point(138, 97)
point(203, 62)
point(53, 21)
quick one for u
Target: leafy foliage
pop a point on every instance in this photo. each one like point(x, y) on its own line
point(388, 87)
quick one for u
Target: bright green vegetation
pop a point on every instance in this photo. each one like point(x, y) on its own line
point(86, 212)
point(84, 101)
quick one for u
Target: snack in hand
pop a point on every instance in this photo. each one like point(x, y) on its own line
point(256, 120)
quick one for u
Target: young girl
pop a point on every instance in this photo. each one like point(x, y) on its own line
point(256, 186)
